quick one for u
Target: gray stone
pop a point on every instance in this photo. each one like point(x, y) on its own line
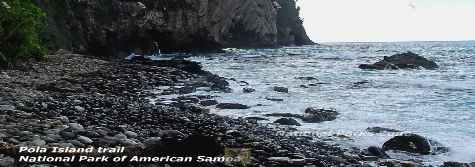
point(279, 159)
point(79, 108)
point(76, 127)
point(7, 108)
point(38, 142)
point(76, 143)
point(152, 141)
point(120, 136)
point(6, 161)
point(131, 134)
point(84, 140)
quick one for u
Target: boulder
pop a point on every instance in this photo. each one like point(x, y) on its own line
point(281, 89)
point(414, 143)
point(456, 164)
point(232, 106)
point(316, 115)
point(287, 121)
point(406, 60)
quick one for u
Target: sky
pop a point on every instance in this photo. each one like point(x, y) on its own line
point(388, 20)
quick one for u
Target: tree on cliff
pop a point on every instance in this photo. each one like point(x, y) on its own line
point(20, 25)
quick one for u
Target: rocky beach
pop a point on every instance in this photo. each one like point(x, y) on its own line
point(76, 101)
point(234, 83)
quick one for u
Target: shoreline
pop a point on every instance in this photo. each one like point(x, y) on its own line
point(72, 100)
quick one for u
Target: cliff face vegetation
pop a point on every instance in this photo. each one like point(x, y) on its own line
point(117, 27)
point(20, 24)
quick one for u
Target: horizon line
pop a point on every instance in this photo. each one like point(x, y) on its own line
point(393, 41)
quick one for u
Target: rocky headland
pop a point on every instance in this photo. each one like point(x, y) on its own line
point(115, 28)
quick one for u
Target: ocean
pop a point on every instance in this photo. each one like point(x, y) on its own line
point(438, 104)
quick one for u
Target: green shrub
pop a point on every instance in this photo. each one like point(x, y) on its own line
point(21, 22)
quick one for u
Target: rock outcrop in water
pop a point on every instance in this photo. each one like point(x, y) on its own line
point(414, 143)
point(118, 27)
point(407, 60)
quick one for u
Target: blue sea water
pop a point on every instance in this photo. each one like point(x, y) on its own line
point(438, 104)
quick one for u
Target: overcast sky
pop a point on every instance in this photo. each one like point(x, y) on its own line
point(388, 20)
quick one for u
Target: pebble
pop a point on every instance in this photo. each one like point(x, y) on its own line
point(84, 139)
point(38, 142)
point(7, 108)
point(79, 108)
point(131, 134)
point(76, 127)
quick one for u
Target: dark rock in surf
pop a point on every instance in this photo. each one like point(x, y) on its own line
point(414, 143)
point(287, 121)
point(456, 164)
point(288, 115)
point(208, 102)
point(232, 106)
point(376, 151)
point(407, 60)
point(281, 89)
point(381, 130)
point(306, 78)
point(257, 118)
point(316, 115)
point(248, 90)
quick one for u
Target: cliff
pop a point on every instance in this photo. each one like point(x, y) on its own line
point(116, 27)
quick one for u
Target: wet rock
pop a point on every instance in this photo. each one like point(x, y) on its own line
point(152, 141)
point(274, 99)
point(306, 78)
point(6, 161)
point(381, 130)
point(67, 134)
point(208, 102)
point(38, 142)
point(248, 90)
point(406, 60)
point(79, 108)
point(414, 143)
point(7, 108)
point(84, 140)
point(257, 118)
point(287, 121)
point(397, 163)
point(279, 159)
point(376, 151)
point(281, 89)
point(171, 134)
point(76, 127)
point(456, 164)
point(288, 115)
point(232, 106)
point(131, 134)
point(316, 115)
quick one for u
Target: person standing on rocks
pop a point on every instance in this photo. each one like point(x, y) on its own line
point(156, 49)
